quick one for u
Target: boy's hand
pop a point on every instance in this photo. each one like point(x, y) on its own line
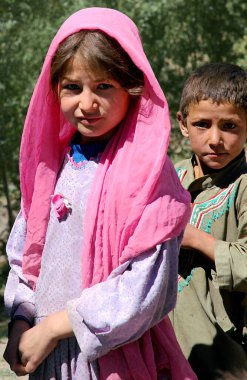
point(199, 240)
point(11, 354)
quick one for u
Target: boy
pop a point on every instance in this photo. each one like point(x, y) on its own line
point(211, 312)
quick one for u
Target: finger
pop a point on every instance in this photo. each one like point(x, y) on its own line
point(31, 367)
point(14, 365)
point(19, 369)
point(21, 359)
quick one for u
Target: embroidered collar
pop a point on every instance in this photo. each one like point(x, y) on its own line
point(85, 152)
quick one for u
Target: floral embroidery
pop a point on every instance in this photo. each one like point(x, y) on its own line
point(181, 173)
point(61, 206)
point(77, 165)
point(183, 282)
point(82, 164)
point(205, 213)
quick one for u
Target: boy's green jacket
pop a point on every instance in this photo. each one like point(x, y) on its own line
point(210, 318)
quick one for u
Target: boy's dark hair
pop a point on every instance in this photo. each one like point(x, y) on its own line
point(219, 82)
point(100, 53)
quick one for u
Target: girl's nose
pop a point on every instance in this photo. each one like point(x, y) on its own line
point(88, 101)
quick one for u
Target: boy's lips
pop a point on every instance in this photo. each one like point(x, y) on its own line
point(216, 154)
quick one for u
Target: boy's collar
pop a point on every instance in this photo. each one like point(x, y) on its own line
point(223, 176)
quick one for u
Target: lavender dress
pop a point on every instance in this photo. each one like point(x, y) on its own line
point(104, 316)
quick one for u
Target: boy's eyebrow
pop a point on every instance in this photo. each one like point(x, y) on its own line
point(234, 118)
point(201, 118)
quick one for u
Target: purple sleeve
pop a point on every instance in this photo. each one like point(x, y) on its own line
point(135, 297)
point(18, 296)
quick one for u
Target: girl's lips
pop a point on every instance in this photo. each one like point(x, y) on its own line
point(89, 120)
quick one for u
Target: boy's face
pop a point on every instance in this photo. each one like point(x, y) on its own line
point(217, 133)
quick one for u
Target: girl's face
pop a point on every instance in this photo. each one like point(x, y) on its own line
point(94, 104)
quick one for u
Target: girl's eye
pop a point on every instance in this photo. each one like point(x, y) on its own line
point(229, 126)
point(71, 87)
point(104, 86)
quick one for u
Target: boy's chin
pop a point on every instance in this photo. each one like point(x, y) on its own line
point(210, 167)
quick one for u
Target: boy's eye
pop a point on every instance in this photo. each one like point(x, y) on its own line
point(104, 86)
point(201, 124)
point(229, 126)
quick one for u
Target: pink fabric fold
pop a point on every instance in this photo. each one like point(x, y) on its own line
point(136, 200)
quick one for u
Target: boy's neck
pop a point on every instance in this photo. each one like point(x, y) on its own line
point(198, 171)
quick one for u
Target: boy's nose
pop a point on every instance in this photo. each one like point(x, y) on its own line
point(215, 137)
point(88, 102)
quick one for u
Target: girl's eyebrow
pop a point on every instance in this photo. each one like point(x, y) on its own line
point(69, 79)
point(95, 80)
point(105, 79)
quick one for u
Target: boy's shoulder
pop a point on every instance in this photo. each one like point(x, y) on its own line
point(183, 164)
point(184, 168)
point(242, 179)
point(239, 171)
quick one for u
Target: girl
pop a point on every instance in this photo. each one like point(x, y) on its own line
point(100, 220)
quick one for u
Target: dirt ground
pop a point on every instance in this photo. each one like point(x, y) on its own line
point(5, 372)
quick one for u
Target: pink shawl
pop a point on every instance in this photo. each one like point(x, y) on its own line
point(136, 200)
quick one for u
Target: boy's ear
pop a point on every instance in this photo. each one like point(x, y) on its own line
point(182, 125)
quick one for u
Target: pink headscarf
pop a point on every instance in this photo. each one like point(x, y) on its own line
point(136, 200)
